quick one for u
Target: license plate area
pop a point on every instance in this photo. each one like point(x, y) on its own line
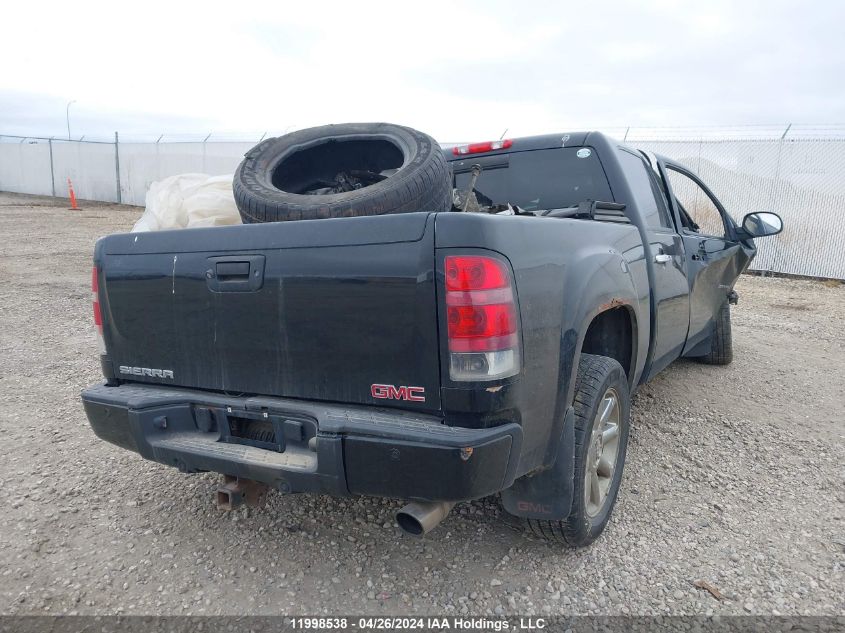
point(265, 430)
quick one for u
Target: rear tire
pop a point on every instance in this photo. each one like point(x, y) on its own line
point(721, 341)
point(348, 170)
point(601, 383)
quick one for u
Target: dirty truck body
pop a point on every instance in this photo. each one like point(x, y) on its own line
point(317, 356)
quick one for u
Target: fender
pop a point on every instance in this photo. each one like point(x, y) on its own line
point(618, 280)
point(597, 266)
point(595, 294)
point(547, 492)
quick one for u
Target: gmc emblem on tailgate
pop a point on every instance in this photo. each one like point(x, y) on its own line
point(389, 392)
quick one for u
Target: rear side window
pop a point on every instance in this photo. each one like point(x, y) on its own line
point(538, 179)
point(646, 192)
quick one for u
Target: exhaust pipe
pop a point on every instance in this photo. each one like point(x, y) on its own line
point(419, 518)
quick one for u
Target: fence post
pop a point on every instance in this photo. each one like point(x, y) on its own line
point(158, 157)
point(780, 157)
point(52, 169)
point(117, 167)
point(204, 170)
point(773, 196)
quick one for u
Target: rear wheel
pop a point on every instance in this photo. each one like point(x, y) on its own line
point(721, 342)
point(602, 418)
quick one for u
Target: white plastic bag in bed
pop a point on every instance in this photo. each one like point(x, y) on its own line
point(189, 200)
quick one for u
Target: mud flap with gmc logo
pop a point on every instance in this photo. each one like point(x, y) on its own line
point(548, 493)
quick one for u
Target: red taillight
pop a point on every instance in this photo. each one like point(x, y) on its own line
point(486, 322)
point(475, 273)
point(98, 315)
point(482, 323)
point(481, 148)
point(95, 291)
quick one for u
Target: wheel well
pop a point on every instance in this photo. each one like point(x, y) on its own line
point(611, 334)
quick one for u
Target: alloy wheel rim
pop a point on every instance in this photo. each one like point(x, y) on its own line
point(603, 453)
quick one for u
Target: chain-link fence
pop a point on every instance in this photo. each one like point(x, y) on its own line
point(795, 171)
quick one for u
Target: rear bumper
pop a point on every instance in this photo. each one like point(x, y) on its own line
point(313, 447)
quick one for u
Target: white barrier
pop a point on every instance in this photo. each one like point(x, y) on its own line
point(88, 165)
point(141, 164)
point(25, 168)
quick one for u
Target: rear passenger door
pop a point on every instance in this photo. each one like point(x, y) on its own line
point(670, 286)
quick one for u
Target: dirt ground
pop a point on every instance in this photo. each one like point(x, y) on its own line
point(735, 477)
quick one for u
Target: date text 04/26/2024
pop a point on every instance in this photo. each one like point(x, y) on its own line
point(415, 624)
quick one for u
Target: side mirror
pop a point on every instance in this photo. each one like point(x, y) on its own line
point(762, 224)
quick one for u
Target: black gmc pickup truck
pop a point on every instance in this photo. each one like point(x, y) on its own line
point(433, 355)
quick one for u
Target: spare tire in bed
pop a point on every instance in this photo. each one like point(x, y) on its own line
point(345, 170)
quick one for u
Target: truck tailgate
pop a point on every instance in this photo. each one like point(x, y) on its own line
point(320, 309)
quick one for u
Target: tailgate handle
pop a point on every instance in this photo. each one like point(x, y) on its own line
point(232, 270)
point(235, 273)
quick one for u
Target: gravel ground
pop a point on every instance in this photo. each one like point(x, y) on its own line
point(735, 477)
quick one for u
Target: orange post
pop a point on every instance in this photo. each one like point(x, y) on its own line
point(73, 205)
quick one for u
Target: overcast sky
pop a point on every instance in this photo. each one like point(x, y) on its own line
point(460, 71)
